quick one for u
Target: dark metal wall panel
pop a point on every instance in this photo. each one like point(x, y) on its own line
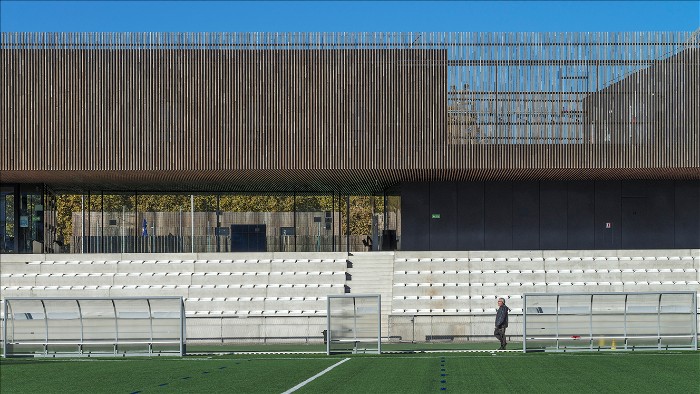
point(498, 217)
point(553, 215)
point(635, 223)
point(415, 216)
point(443, 202)
point(526, 215)
point(571, 215)
point(647, 214)
point(687, 214)
point(470, 216)
point(580, 215)
point(607, 211)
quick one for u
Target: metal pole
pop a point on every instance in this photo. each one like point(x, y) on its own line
point(413, 326)
point(82, 224)
point(524, 323)
point(658, 324)
point(150, 326)
point(136, 221)
point(4, 327)
point(123, 227)
point(694, 318)
point(102, 227)
point(590, 324)
point(192, 220)
point(46, 326)
point(82, 329)
point(183, 329)
point(218, 222)
point(179, 233)
point(557, 323)
point(354, 322)
point(624, 321)
point(116, 326)
point(379, 324)
point(328, 325)
point(386, 212)
point(153, 233)
point(375, 225)
point(347, 221)
point(318, 237)
point(89, 222)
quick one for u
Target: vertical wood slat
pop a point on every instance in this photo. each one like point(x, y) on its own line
point(378, 107)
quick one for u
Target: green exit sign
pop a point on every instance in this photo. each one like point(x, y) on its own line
point(436, 216)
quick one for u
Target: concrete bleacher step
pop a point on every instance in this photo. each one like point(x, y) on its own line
point(372, 273)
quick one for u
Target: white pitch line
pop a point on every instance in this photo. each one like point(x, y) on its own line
point(302, 384)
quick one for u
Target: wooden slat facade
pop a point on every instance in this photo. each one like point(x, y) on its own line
point(354, 113)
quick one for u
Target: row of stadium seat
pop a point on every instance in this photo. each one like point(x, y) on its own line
point(173, 278)
point(233, 299)
point(557, 271)
point(188, 291)
point(128, 266)
point(520, 284)
point(247, 261)
point(397, 260)
point(266, 312)
point(490, 297)
point(563, 259)
point(460, 297)
point(489, 311)
point(235, 286)
point(249, 303)
point(160, 274)
point(263, 303)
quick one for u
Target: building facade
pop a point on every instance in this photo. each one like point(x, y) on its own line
point(492, 140)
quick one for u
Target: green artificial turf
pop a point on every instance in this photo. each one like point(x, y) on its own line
point(610, 372)
point(191, 375)
point(516, 373)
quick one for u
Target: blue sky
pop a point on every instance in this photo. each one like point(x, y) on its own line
point(335, 16)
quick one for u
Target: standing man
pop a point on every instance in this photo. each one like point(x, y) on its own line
point(501, 323)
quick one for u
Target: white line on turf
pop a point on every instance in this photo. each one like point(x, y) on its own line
point(302, 384)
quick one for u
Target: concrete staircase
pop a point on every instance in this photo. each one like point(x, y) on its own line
point(373, 273)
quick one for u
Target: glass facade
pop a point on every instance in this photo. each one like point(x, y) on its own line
point(35, 220)
point(27, 219)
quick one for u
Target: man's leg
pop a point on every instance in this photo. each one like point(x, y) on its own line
point(500, 335)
